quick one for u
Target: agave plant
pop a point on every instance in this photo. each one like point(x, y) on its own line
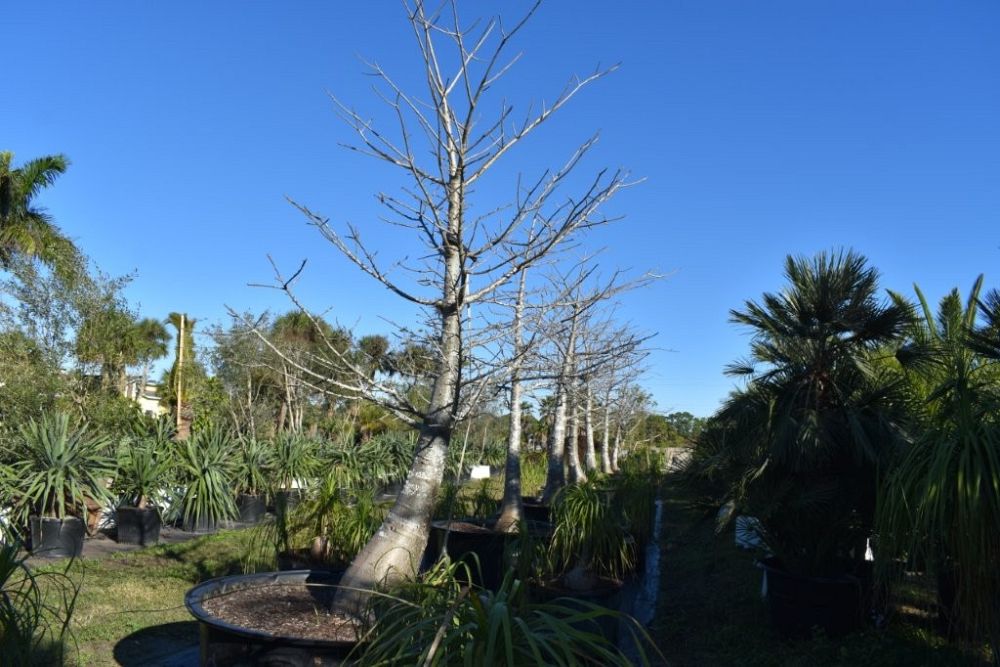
point(439, 621)
point(206, 466)
point(57, 467)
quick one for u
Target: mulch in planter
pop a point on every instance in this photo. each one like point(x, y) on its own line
point(294, 611)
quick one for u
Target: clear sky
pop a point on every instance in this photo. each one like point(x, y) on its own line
point(762, 129)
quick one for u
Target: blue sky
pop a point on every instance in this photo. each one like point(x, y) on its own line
point(761, 129)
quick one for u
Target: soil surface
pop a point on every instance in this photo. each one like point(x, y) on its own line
point(295, 611)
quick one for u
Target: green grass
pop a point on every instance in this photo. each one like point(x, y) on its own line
point(710, 611)
point(138, 597)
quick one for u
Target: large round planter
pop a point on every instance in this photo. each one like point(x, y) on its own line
point(482, 549)
point(223, 643)
point(251, 507)
point(138, 526)
point(798, 604)
point(57, 538)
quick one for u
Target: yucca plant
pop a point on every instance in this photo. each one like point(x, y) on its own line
point(294, 459)
point(439, 621)
point(255, 460)
point(206, 466)
point(145, 469)
point(57, 467)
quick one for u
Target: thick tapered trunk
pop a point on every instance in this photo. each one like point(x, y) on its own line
point(576, 473)
point(511, 509)
point(394, 553)
point(555, 479)
point(590, 456)
point(605, 443)
point(615, 448)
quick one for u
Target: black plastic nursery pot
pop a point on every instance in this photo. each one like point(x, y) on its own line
point(799, 604)
point(138, 525)
point(286, 500)
point(57, 538)
point(252, 508)
point(533, 510)
point(224, 643)
point(200, 525)
point(479, 547)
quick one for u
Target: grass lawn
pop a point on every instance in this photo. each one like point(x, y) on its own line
point(130, 609)
point(710, 611)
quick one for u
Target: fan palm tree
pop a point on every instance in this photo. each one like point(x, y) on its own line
point(27, 230)
point(819, 414)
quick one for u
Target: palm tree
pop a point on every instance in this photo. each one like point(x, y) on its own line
point(27, 230)
point(941, 505)
point(819, 414)
point(152, 340)
point(179, 373)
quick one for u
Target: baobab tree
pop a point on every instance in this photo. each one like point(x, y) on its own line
point(446, 141)
point(574, 322)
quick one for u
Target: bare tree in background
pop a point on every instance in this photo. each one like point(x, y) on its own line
point(446, 141)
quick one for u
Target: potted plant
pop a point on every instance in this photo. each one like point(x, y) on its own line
point(252, 479)
point(940, 504)
point(206, 467)
point(439, 620)
point(144, 470)
point(294, 463)
point(817, 422)
point(591, 550)
point(56, 468)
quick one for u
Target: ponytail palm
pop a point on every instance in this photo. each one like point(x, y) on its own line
point(820, 413)
point(942, 503)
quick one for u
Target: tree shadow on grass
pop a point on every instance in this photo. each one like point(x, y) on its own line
point(170, 644)
point(200, 561)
